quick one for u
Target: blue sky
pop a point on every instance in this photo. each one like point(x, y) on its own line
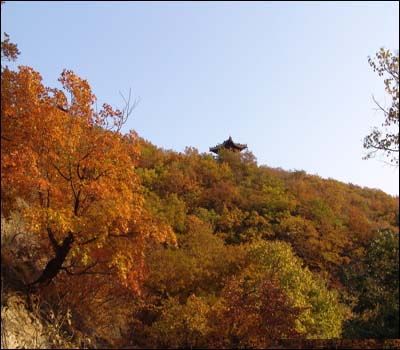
point(290, 79)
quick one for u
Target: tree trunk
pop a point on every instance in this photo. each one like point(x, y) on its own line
point(54, 266)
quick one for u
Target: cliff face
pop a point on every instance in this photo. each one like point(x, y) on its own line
point(24, 327)
point(21, 328)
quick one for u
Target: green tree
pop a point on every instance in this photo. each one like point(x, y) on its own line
point(322, 314)
point(181, 325)
point(374, 281)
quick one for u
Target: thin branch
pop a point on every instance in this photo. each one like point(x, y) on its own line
point(71, 182)
point(59, 171)
point(394, 74)
point(83, 271)
point(5, 138)
point(48, 198)
point(105, 172)
point(127, 110)
point(94, 273)
point(86, 271)
point(380, 107)
point(81, 177)
point(383, 148)
point(77, 202)
point(15, 236)
point(119, 236)
point(61, 108)
point(89, 240)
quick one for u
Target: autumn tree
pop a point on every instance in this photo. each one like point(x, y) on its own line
point(253, 312)
point(75, 169)
point(386, 140)
point(200, 265)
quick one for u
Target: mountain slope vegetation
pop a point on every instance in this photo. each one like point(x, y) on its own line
point(129, 245)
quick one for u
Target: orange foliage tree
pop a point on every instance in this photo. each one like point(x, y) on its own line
point(75, 169)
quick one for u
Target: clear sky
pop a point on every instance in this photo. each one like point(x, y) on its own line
point(290, 79)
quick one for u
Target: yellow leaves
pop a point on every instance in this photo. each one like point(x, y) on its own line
point(85, 259)
point(182, 325)
point(33, 220)
point(129, 266)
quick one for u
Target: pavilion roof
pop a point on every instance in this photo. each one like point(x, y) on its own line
point(228, 144)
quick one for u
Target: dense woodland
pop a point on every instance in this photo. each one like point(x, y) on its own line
point(152, 248)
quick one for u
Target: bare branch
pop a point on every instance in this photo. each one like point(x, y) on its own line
point(380, 107)
point(128, 108)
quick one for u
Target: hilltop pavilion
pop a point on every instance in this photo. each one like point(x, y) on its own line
point(229, 145)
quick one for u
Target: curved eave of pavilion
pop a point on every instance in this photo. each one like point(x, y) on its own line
point(238, 147)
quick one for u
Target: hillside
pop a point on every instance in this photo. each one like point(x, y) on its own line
point(295, 239)
point(111, 242)
point(326, 222)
